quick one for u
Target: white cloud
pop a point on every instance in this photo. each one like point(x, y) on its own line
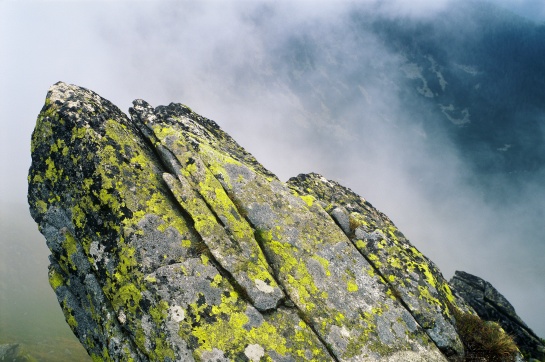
point(415, 9)
point(230, 62)
point(531, 9)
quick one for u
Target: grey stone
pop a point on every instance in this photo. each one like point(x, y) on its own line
point(170, 242)
point(491, 305)
point(15, 352)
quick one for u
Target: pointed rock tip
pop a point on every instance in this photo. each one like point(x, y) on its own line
point(142, 111)
point(60, 85)
point(61, 91)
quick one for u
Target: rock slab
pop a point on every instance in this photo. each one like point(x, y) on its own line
point(170, 242)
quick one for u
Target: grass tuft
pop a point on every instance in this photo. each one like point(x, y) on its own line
point(484, 340)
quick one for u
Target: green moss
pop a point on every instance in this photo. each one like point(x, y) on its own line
point(106, 354)
point(216, 281)
point(356, 220)
point(448, 292)
point(43, 130)
point(140, 338)
point(425, 294)
point(78, 217)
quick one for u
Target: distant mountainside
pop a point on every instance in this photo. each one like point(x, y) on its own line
point(473, 72)
point(481, 69)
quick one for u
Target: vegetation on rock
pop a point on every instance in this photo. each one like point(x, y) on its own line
point(170, 242)
point(485, 339)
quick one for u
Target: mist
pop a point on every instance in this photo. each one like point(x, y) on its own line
point(304, 88)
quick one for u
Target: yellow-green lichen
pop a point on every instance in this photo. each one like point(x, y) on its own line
point(41, 206)
point(162, 350)
point(55, 279)
point(360, 244)
point(294, 271)
point(104, 200)
point(159, 312)
point(229, 332)
point(69, 315)
point(308, 199)
point(96, 358)
point(324, 263)
point(78, 133)
point(70, 247)
point(351, 286)
point(128, 295)
point(368, 339)
point(52, 173)
point(150, 279)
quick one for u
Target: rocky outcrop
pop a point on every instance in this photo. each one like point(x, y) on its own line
point(490, 305)
point(14, 352)
point(170, 242)
point(412, 278)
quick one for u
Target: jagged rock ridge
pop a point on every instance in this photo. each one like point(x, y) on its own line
point(170, 242)
point(491, 305)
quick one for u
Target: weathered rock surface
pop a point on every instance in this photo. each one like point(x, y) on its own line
point(412, 278)
point(13, 352)
point(170, 242)
point(490, 305)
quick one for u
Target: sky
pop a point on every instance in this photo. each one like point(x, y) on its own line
point(228, 62)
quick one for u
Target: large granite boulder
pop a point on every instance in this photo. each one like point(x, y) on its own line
point(170, 242)
point(490, 305)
